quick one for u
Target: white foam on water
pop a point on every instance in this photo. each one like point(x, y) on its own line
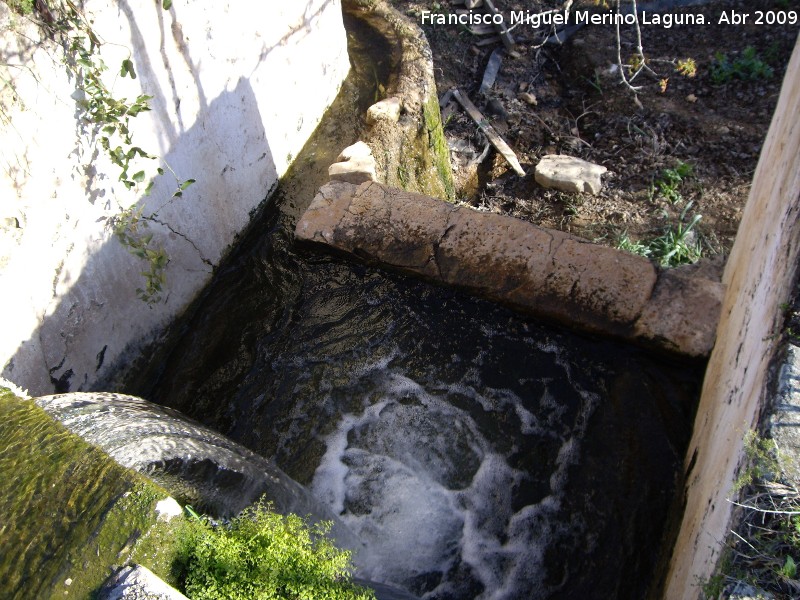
point(413, 476)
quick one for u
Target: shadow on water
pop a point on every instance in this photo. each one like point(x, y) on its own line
point(477, 453)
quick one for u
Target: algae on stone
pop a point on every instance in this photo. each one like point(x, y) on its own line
point(411, 154)
point(70, 513)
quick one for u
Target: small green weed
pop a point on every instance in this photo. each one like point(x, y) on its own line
point(677, 245)
point(403, 176)
point(669, 183)
point(761, 461)
point(762, 548)
point(261, 554)
point(686, 67)
point(23, 7)
point(624, 242)
point(595, 83)
point(715, 585)
point(748, 67)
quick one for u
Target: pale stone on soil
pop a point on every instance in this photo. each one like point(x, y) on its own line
point(133, 582)
point(385, 110)
point(569, 174)
point(355, 164)
point(543, 272)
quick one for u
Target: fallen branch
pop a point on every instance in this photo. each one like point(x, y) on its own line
point(492, 135)
point(766, 510)
point(505, 35)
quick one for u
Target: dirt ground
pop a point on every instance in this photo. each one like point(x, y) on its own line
point(685, 145)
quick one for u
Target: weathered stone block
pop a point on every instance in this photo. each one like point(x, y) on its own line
point(569, 174)
point(540, 271)
point(683, 313)
point(385, 110)
point(598, 282)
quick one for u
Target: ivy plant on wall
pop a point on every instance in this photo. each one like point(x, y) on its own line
point(110, 127)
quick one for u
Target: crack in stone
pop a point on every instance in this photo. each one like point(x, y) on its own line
point(435, 257)
point(185, 237)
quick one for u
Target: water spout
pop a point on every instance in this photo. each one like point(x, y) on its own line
point(193, 462)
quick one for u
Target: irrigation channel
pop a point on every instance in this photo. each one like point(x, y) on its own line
point(474, 452)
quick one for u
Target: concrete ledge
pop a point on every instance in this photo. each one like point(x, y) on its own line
point(543, 272)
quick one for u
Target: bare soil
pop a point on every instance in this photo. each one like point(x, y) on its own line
point(583, 109)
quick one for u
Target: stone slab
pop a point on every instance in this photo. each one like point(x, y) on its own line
point(784, 422)
point(543, 272)
point(135, 582)
point(683, 311)
point(569, 174)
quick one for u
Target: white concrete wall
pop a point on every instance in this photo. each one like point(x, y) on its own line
point(238, 88)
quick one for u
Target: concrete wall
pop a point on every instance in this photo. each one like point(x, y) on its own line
point(759, 276)
point(238, 88)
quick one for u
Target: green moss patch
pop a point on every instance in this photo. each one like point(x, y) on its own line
point(70, 513)
point(438, 146)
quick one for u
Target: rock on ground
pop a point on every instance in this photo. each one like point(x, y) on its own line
point(569, 174)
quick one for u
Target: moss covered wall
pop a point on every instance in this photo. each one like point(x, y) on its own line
point(69, 512)
point(411, 154)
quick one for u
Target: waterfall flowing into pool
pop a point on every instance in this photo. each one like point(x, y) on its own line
point(193, 462)
point(476, 453)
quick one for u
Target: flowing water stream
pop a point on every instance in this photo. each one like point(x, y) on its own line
point(476, 453)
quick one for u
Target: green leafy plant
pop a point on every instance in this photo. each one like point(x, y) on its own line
point(669, 182)
point(760, 552)
point(131, 228)
point(677, 245)
point(747, 67)
point(261, 554)
point(109, 121)
point(789, 569)
point(686, 67)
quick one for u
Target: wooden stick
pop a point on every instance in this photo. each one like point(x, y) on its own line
point(505, 35)
point(488, 41)
point(481, 29)
point(492, 69)
point(492, 135)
